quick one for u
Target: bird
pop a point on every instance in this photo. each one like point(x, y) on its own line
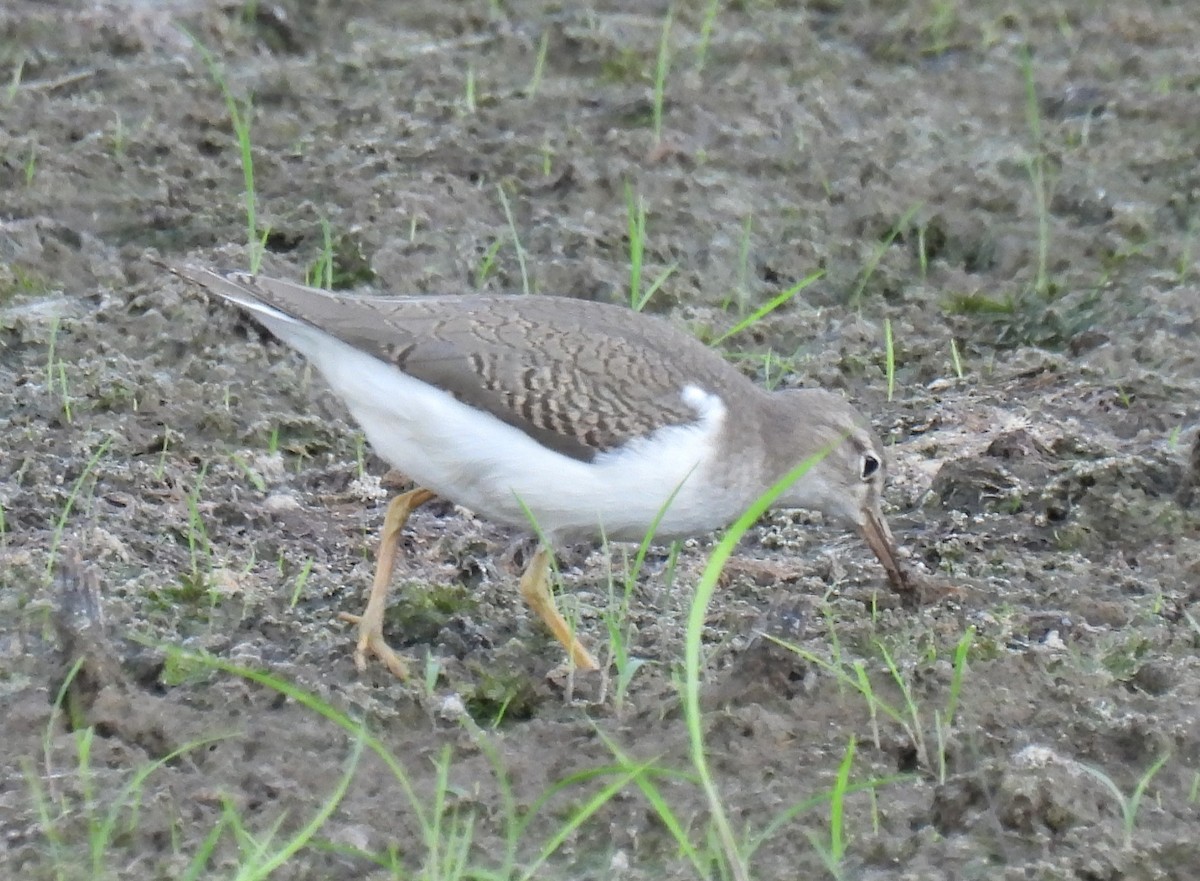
point(575, 418)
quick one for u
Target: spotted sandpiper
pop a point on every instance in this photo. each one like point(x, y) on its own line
point(588, 419)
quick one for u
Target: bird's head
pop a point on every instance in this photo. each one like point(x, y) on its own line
point(847, 473)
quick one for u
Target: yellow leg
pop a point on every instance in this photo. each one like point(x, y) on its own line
point(370, 623)
point(535, 588)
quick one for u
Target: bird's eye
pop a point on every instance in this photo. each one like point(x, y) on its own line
point(870, 465)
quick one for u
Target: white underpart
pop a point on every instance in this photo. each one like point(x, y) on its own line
point(482, 463)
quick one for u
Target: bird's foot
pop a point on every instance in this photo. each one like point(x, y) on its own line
point(372, 643)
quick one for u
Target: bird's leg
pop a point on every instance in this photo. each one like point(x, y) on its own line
point(535, 588)
point(370, 622)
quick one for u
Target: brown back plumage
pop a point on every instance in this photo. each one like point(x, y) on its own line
point(579, 377)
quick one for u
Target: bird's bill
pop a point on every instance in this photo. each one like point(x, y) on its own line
point(879, 539)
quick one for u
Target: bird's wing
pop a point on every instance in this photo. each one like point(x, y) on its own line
point(579, 377)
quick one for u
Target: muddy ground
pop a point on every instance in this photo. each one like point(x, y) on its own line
point(1014, 187)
